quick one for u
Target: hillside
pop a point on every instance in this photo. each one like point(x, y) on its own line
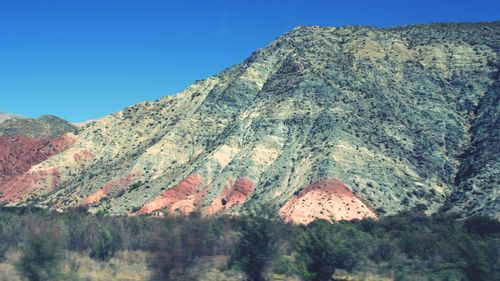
point(47, 126)
point(333, 123)
point(26, 142)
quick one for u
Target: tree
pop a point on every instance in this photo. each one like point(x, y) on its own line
point(41, 254)
point(104, 247)
point(178, 245)
point(257, 246)
point(324, 247)
point(482, 225)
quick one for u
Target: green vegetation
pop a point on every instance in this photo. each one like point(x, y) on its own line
point(257, 246)
point(324, 249)
point(41, 253)
point(179, 243)
point(409, 246)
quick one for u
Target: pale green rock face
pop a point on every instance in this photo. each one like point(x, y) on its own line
point(404, 117)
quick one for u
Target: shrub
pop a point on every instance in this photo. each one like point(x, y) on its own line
point(257, 246)
point(324, 247)
point(482, 225)
point(41, 254)
point(178, 245)
point(104, 247)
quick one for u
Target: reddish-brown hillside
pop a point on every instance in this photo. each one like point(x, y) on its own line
point(19, 153)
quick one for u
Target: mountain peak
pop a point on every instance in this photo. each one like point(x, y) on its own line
point(46, 126)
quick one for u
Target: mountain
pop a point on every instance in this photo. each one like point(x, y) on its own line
point(47, 126)
point(25, 142)
point(82, 124)
point(332, 123)
point(6, 116)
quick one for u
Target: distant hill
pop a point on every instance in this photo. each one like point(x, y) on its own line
point(47, 126)
point(25, 142)
point(331, 123)
point(5, 116)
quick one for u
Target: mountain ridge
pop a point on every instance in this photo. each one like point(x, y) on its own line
point(5, 116)
point(44, 127)
point(387, 113)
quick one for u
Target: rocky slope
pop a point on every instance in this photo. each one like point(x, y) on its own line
point(334, 123)
point(26, 142)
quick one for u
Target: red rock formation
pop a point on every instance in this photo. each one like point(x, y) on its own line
point(181, 191)
point(185, 197)
point(18, 154)
point(83, 156)
point(190, 203)
point(238, 194)
point(327, 199)
point(231, 195)
point(21, 187)
point(114, 185)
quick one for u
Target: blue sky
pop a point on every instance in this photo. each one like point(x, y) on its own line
point(83, 59)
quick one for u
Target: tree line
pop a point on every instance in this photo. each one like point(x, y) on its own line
point(403, 246)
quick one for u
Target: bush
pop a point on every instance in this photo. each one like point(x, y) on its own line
point(178, 245)
point(407, 245)
point(324, 248)
point(481, 260)
point(257, 246)
point(482, 225)
point(41, 254)
point(104, 247)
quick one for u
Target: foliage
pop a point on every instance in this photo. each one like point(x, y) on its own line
point(41, 254)
point(105, 246)
point(324, 248)
point(439, 247)
point(178, 244)
point(482, 225)
point(257, 246)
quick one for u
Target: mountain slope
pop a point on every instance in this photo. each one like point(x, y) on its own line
point(26, 142)
point(335, 123)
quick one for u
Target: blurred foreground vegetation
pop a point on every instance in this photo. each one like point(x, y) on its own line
point(408, 246)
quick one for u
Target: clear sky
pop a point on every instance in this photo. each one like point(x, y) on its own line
point(83, 59)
